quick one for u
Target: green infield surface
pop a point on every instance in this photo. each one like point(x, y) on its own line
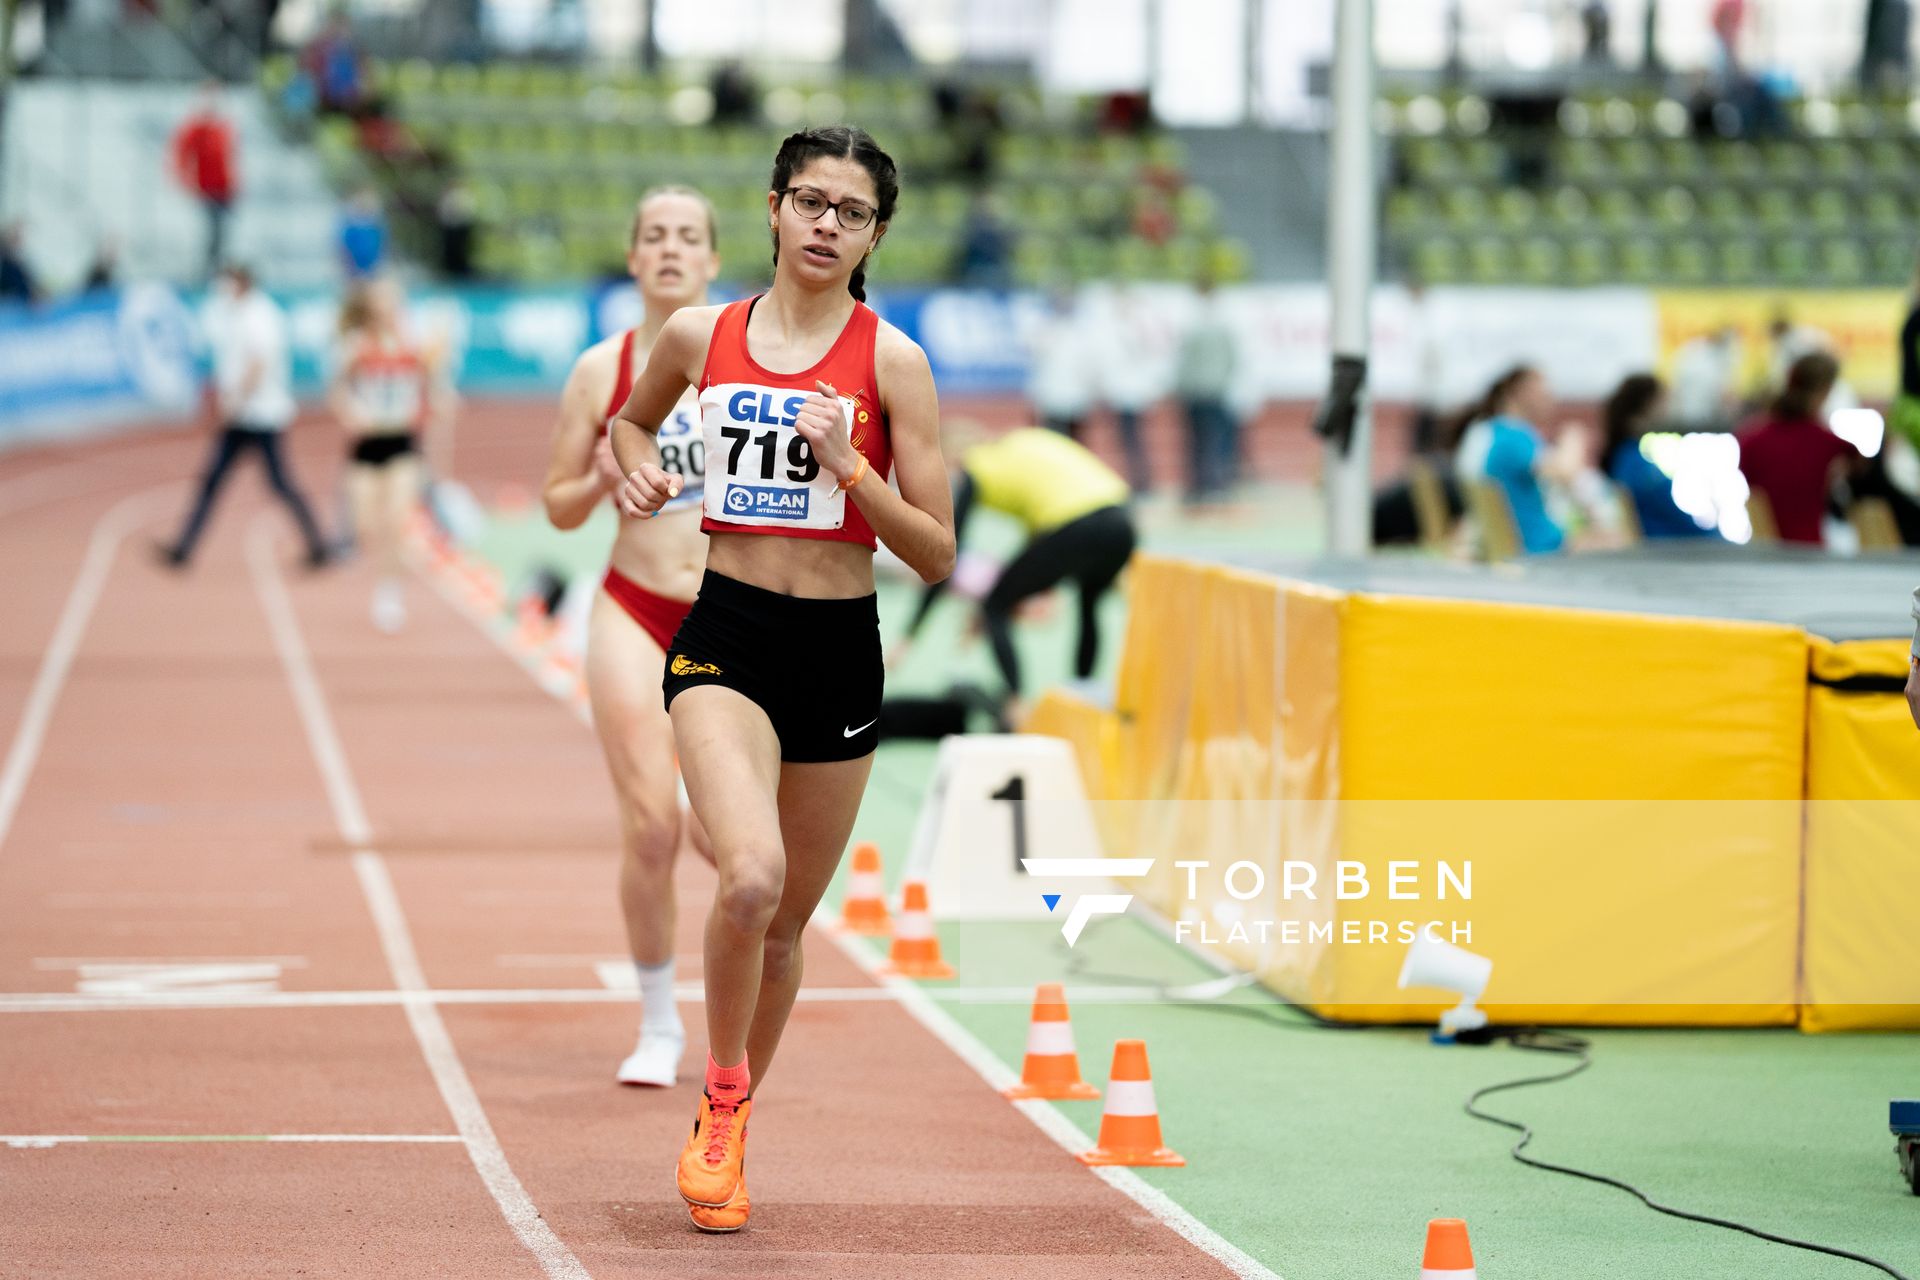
point(1322, 1152)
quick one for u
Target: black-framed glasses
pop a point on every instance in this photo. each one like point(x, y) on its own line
point(813, 205)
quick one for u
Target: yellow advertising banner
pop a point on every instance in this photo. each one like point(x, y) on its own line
point(1863, 326)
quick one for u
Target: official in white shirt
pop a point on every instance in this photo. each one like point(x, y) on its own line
point(1913, 664)
point(253, 387)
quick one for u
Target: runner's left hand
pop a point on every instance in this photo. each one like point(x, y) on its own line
point(822, 422)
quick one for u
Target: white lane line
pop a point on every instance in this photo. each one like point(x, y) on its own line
point(57, 661)
point(37, 1140)
point(685, 993)
point(349, 815)
point(498, 631)
point(968, 1048)
point(56, 964)
point(996, 1073)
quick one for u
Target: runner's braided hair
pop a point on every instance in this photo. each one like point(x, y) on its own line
point(840, 142)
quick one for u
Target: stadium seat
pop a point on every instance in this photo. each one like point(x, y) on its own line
point(1791, 261)
point(1741, 260)
point(1515, 209)
point(1842, 262)
point(1676, 209)
point(1589, 261)
point(1570, 208)
point(1438, 261)
point(1498, 535)
point(1690, 262)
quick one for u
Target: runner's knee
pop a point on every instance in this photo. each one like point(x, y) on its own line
point(650, 816)
point(749, 896)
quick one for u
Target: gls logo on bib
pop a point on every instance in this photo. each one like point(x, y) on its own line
point(767, 504)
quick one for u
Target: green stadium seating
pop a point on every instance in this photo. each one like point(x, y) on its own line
point(557, 154)
point(1629, 195)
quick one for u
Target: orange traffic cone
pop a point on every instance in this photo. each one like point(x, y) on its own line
point(1052, 1068)
point(916, 948)
point(1448, 1256)
point(1130, 1125)
point(865, 909)
point(532, 625)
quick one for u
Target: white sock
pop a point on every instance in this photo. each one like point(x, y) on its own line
point(658, 1013)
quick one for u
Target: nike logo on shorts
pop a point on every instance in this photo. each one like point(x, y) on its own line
point(848, 733)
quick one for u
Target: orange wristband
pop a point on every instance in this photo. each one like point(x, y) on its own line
point(859, 474)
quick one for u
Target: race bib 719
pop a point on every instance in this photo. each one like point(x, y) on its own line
point(760, 470)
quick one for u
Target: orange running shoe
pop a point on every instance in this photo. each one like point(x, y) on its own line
point(709, 1171)
point(730, 1216)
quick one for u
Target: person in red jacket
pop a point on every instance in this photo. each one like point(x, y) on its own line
point(203, 161)
point(1790, 456)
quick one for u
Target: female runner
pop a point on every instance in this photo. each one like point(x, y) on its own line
point(651, 578)
point(388, 393)
point(807, 402)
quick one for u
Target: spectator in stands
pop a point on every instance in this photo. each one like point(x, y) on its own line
point(1129, 367)
point(1904, 420)
point(203, 161)
point(1727, 18)
point(333, 64)
point(985, 260)
point(1203, 378)
point(1501, 445)
point(1059, 367)
point(972, 123)
point(1913, 665)
point(363, 234)
point(1789, 342)
point(1425, 340)
point(1637, 406)
point(736, 98)
point(104, 271)
point(1154, 220)
point(1884, 53)
point(1791, 458)
point(1125, 112)
point(458, 215)
point(1596, 25)
point(253, 394)
point(16, 281)
point(1706, 381)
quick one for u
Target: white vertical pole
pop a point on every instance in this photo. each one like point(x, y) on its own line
point(1350, 261)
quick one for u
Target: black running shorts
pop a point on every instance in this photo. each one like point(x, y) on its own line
point(378, 450)
point(812, 665)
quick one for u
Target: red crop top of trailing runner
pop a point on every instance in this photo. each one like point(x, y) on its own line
point(389, 381)
point(738, 396)
point(622, 383)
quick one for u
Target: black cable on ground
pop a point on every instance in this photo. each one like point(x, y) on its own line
point(1532, 1039)
point(1581, 1050)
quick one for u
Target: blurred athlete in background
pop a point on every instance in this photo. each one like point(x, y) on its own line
point(652, 576)
point(389, 394)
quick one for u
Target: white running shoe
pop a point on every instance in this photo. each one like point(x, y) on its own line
point(389, 608)
point(656, 1061)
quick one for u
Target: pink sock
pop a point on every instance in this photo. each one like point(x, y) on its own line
point(728, 1084)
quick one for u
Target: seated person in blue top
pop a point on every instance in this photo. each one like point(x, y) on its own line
point(1501, 444)
point(1636, 406)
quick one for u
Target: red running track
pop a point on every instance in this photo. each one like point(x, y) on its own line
point(238, 829)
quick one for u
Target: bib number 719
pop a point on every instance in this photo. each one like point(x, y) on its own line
point(802, 466)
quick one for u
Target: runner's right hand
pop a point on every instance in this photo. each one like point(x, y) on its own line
point(647, 489)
